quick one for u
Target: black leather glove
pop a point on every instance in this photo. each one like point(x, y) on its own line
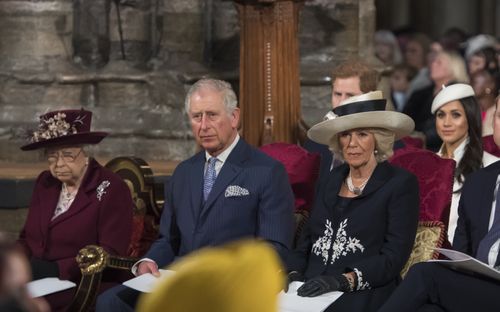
point(293, 276)
point(42, 268)
point(318, 286)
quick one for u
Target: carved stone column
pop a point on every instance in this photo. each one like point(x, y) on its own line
point(91, 41)
point(269, 70)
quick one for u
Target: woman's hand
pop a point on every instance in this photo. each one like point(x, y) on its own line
point(318, 286)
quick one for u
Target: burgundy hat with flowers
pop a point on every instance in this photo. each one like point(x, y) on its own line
point(64, 127)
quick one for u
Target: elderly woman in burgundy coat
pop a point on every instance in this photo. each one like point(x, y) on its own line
point(75, 203)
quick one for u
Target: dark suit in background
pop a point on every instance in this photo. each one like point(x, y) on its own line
point(418, 108)
point(436, 288)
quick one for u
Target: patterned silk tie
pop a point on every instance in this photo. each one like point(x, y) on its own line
point(491, 237)
point(210, 176)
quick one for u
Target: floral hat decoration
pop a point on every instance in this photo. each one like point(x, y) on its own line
point(64, 127)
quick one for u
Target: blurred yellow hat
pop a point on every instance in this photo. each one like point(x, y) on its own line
point(238, 277)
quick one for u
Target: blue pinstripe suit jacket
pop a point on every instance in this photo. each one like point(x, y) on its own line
point(188, 223)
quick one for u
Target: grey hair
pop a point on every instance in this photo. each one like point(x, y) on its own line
point(228, 96)
point(384, 143)
point(88, 150)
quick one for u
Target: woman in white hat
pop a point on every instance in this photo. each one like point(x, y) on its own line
point(458, 124)
point(363, 222)
point(446, 67)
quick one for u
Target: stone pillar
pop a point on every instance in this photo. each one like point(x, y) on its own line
point(91, 41)
point(135, 30)
point(36, 35)
point(182, 31)
point(367, 15)
point(269, 70)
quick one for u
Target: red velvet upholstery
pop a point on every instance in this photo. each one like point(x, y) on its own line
point(413, 142)
point(144, 233)
point(302, 168)
point(435, 180)
point(490, 146)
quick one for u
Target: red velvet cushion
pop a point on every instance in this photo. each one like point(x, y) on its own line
point(302, 168)
point(414, 142)
point(435, 180)
point(490, 146)
point(144, 234)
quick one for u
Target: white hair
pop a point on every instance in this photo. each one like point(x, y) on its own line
point(228, 95)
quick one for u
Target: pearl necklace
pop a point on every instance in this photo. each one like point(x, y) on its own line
point(356, 190)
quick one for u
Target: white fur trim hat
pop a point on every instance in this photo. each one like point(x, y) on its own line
point(451, 93)
point(362, 111)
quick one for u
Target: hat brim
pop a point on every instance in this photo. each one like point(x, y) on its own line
point(399, 123)
point(73, 139)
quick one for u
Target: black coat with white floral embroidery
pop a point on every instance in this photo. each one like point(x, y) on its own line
point(372, 236)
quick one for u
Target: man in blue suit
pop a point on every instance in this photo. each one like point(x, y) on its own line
point(228, 191)
point(433, 287)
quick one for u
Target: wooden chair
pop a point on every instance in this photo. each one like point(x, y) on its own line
point(148, 202)
point(435, 180)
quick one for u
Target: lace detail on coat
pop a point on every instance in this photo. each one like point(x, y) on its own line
point(340, 246)
point(361, 285)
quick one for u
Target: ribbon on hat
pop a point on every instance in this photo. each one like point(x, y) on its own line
point(360, 107)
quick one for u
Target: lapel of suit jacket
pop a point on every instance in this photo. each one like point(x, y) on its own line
point(486, 198)
point(196, 173)
point(333, 185)
point(230, 169)
point(83, 198)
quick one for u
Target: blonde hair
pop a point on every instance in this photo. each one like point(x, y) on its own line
point(384, 143)
point(458, 68)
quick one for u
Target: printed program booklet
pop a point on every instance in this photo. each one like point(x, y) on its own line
point(462, 262)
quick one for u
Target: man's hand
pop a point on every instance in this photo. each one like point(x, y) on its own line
point(318, 286)
point(148, 267)
point(293, 276)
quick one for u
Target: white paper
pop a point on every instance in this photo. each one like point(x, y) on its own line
point(461, 261)
point(47, 286)
point(146, 282)
point(291, 302)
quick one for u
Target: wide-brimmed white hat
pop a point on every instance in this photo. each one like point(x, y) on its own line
point(361, 111)
point(451, 93)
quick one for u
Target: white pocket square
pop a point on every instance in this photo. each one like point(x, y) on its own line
point(235, 190)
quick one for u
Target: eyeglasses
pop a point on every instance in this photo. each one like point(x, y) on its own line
point(66, 157)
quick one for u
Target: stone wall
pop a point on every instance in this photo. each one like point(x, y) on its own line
point(134, 77)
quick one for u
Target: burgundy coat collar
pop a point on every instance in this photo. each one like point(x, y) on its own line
point(52, 189)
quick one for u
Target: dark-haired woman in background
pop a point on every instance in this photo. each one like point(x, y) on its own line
point(458, 124)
